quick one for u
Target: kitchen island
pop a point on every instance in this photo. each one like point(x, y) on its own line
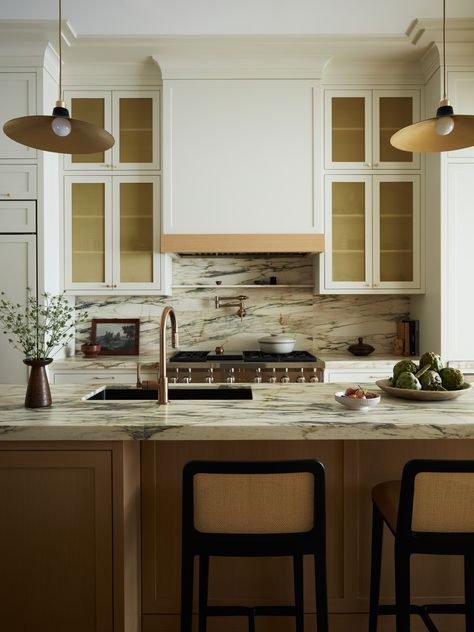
point(288, 412)
point(90, 498)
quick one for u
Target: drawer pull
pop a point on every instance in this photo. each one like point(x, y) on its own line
point(7, 194)
point(104, 379)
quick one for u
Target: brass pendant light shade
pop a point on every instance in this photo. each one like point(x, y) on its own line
point(424, 136)
point(59, 132)
point(445, 132)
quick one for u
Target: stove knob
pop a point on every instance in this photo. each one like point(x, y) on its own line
point(209, 377)
point(301, 378)
point(258, 376)
point(286, 378)
point(187, 379)
point(314, 378)
point(230, 379)
point(272, 379)
point(174, 378)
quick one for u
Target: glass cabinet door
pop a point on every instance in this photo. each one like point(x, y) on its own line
point(136, 126)
point(348, 129)
point(136, 231)
point(393, 111)
point(93, 107)
point(350, 231)
point(396, 231)
point(88, 233)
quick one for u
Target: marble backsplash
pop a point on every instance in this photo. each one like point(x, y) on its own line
point(325, 322)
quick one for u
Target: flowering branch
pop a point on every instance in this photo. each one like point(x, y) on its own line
point(40, 326)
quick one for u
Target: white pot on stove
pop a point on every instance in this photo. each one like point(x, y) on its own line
point(277, 343)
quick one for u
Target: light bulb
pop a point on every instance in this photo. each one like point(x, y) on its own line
point(61, 126)
point(444, 125)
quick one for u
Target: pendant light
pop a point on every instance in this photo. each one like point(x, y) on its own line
point(59, 133)
point(446, 132)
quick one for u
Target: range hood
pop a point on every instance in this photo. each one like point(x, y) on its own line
point(243, 243)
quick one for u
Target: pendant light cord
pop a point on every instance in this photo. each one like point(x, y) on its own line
point(60, 53)
point(444, 48)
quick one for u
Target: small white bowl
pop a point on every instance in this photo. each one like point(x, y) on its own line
point(354, 403)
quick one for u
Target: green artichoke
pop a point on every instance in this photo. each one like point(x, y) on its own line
point(433, 359)
point(452, 379)
point(401, 367)
point(408, 380)
point(430, 381)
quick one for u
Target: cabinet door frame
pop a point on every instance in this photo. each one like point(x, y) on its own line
point(328, 96)
point(154, 95)
point(106, 95)
point(68, 182)
point(398, 285)
point(348, 285)
point(377, 95)
point(10, 151)
point(156, 282)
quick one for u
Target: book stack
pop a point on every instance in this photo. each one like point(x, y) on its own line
point(408, 335)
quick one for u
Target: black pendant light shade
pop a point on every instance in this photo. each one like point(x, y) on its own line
point(59, 132)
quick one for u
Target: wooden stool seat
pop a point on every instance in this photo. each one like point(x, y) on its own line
point(387, 498)
point(431, 510)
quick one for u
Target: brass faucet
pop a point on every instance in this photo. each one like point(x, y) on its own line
point(233, 301)
point(163, 380)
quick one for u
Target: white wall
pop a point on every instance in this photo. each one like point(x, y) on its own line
point(427, 308)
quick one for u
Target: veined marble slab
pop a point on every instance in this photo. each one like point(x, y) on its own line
point(285, 411)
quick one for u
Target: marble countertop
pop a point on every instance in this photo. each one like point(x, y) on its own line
point(283, 412)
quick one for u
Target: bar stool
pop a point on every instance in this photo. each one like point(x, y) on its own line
point(431, 510)
point(245, 509)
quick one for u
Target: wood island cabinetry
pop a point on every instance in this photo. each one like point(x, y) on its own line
point(69, 537)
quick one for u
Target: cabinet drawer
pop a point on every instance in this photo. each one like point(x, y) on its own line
point(17, 182)
point(99, 377)
point(17, 217)
point(355, 377)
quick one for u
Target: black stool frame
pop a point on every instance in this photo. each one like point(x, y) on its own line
point(408, 542)
point(248, 545)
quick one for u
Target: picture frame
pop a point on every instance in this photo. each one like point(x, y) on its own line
point(116, 336)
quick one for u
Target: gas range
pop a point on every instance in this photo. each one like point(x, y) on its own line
point(244, 366)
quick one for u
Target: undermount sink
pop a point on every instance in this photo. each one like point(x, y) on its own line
point(220, 392)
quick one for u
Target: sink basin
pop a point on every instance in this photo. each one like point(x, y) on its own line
point(221, 392)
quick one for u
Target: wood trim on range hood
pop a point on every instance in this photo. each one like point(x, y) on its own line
point(307, 242)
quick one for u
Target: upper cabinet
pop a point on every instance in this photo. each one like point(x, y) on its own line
point(461, 93)
point(359, 124)
point(373, 241)
point(18, 90)
point(239, 157)
point(112, 232)
point(133, 119)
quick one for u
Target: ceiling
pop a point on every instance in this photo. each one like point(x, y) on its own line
point(226, 17)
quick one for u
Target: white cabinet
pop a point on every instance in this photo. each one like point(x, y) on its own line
point(133, 119)
point(459, 300)
point(461, 94)
point(18, 98)
point(359, 123)
point(373, 241)
point(112, 232)
point(17, 273)
point(17, 182)
point(355, 376)
point(17, 216)
point(239, 157)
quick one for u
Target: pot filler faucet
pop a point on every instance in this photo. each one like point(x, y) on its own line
point(232, 301)
point(163, 380)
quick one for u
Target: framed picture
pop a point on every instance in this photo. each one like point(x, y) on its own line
point(116, 336)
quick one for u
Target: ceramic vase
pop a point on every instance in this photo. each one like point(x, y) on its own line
point(38, 394)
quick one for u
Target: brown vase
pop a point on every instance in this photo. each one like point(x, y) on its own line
point(38, 394)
